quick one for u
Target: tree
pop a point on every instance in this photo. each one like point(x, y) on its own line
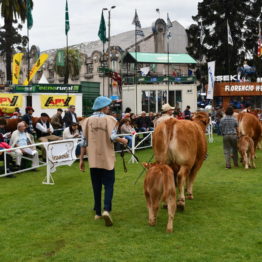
point(242, 18)
point(74, 63)
point(11, 11)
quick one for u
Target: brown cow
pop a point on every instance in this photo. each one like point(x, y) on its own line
point(182, 145)
point(159, 185)
point(247, 151)
point(249, 126)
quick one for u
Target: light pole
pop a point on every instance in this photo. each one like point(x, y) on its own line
point(109, 38)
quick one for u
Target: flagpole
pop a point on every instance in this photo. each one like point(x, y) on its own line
point(168, 83)
point(29, 100)
point(136, 65)
point(103, 68)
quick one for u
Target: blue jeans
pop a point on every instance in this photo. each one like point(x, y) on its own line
point(129, 138)
point(102, 177)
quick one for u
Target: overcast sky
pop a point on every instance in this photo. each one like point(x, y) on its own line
point(49, 23)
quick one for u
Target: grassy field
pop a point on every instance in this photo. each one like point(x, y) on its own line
point(55, 223)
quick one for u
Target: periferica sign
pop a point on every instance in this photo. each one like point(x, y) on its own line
point(48, 88)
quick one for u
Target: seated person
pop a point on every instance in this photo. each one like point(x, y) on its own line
point(6, 135)
point(44, 132)
point(143, 123)
point(57, 122)
point(44, 129)
point(126, 128)
point(73, 131)
point(22, 138)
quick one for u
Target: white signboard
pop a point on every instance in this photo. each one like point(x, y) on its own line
point(211, 79)
point(61, 153)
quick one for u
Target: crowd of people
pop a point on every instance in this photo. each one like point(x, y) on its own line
point(59, 126)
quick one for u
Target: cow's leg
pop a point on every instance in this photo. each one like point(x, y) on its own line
point(182, 174)
point(155, 206)
point(190, 181)
point(171, 211)
point(245, 160)
point(150, 208)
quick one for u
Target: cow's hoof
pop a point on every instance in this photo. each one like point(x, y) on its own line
point(180, 206)
point(190, 196)
point(169, 230)
point(151, 223)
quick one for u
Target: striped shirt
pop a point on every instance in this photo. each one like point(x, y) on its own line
point(228, 125)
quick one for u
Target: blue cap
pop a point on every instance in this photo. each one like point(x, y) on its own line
point(101, 102)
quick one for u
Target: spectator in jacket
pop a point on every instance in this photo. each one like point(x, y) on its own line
point(70, 116)
point(73, 131)
point(143, 123)
point(44, 131)
point(126, 128)
point(57, 122)
point(187, 113)
point(27, 118)
point(21, 138)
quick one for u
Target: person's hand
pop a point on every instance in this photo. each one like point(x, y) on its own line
point(124, 141)
point(81, 165)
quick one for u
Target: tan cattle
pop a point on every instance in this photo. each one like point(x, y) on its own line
point(182, 145)
point(159, 185)
point(247, 151)
point(249, 126)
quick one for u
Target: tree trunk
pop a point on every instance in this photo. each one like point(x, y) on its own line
point(8, 49)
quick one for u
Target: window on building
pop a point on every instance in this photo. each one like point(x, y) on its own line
point(161, 99)
point(89, 68)
point(175, 98)
point(149, 101)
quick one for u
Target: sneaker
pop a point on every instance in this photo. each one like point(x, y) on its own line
point(97, 217)
point(108, 220)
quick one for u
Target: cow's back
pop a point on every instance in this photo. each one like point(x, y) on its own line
point(179, 142)
point(249, 126)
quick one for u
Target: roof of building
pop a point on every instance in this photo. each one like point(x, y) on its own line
point(158, 58)
point(126, 39)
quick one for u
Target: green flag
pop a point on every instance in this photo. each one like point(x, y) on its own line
point(67, 25)
point(102, 29)
point(29, 14)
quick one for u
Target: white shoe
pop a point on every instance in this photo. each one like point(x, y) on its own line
point(108, 220)
point(97, 217)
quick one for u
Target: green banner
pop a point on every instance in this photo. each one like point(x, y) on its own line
point(48, 88)
point(60, 58)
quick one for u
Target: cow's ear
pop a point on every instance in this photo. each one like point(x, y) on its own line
point(146, 165)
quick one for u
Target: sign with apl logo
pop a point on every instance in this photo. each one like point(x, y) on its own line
point(57, 101)
point(11, 100)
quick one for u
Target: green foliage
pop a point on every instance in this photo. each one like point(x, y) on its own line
point(74, 62)
point(56, 223)
point(242, 16)
point(12, 11)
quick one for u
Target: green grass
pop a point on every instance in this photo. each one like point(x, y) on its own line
point(55, 223)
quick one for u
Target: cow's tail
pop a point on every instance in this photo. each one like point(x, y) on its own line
point(161, 139)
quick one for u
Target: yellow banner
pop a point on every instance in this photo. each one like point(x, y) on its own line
point(35, 68)
point(16, 66)
point(11, 100)
point(57, 101)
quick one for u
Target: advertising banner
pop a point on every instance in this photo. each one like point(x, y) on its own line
point(36, 67)
point(57, 101)
point(61, 153)
point(11, 100)
point(211, 79)
point(16, 67)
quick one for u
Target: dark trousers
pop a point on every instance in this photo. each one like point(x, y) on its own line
point(230, 147)
point(106, 178)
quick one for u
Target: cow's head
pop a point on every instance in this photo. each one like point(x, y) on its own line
point(201, 117)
